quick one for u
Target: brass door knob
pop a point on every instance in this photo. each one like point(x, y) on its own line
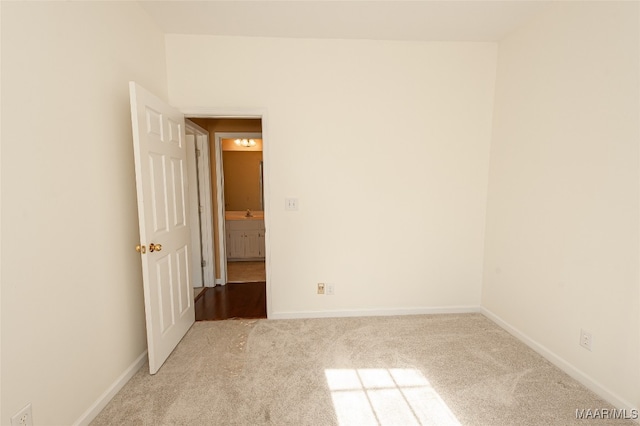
point(141, 249)
point(155, 247)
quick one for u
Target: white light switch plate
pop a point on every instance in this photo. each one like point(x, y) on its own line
point(291, 204)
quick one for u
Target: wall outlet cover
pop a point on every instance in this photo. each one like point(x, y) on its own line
point(23, 417)
point(586, 339)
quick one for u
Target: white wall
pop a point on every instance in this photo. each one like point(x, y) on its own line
point(72, 304)
point(386, 146)
point(562, 219)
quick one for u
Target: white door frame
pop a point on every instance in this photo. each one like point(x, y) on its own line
point(194, 220)
point(218, 136)
point(202, 207)
point(235, 113)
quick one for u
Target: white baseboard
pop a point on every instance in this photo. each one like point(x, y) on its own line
point(586, 380)
point(376, 312)
point(93, 411)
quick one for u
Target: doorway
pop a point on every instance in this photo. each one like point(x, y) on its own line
point(238, 187)
point(164, 157)
point(242, 202)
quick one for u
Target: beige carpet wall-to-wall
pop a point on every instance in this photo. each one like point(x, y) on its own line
point(409, 370)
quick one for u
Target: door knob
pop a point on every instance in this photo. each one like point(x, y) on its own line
point(155, 247)
point(141, 249)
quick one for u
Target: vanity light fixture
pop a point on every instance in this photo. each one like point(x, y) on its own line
point(247, 143)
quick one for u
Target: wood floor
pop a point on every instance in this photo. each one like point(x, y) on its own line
point(234, 300)
point(245, 272)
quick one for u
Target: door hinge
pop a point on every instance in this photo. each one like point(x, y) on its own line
point(198, 152)
point(200, 209)
point(203, 263)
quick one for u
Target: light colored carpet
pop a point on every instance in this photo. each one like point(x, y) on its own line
point(245, 272)
point(431, 369)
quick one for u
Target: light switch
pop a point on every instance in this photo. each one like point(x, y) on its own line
point(291, 204)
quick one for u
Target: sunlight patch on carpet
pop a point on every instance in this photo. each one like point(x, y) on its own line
point(386, 396)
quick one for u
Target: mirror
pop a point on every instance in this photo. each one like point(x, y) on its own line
point(242, 169)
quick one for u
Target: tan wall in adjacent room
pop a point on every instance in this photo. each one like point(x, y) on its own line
point(242, 180)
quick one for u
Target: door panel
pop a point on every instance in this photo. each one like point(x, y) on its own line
point(163, 277)
point(235, 244)
point(251, 243)
point(183, 278)
point(162, 186)
point(179, 201)
point(158, 195)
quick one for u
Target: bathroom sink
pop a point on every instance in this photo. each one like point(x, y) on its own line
point(242, 215)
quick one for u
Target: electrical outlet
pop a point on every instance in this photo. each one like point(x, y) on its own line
point(23, 417)
point(585, 339)
point(330, 290)
point(320, 288)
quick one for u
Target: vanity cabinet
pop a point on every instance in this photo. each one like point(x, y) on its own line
point(245, 239)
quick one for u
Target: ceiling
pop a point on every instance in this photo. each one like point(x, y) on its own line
point(448, 20)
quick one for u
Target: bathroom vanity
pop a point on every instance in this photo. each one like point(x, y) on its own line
point(244, 235)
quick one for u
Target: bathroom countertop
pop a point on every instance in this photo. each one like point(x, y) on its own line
point(242, 215)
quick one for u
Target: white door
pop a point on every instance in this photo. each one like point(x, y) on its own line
point(160, 154)
point(204, 209)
